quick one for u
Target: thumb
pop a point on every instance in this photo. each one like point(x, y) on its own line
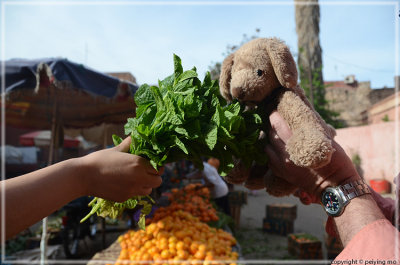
point(124, 145)
point(280, 126)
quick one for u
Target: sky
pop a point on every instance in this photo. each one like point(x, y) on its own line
point(140, 37)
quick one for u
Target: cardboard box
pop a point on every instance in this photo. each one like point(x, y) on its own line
point(304, 246)
point(280, 227)
point(281, 211)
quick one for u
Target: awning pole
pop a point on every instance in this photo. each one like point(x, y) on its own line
point(53, 139)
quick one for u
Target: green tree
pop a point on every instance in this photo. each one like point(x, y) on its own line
point(316, 95)
point(309, 59)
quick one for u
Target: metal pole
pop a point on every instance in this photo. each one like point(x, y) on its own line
point(43, 241)
point(103, 220)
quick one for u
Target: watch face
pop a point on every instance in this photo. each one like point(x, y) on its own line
point(331, 202)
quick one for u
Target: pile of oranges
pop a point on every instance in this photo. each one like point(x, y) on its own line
point(179, 233)
point(177, 237)
point(194, 199)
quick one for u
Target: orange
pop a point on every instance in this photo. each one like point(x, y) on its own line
point(202, 247)
point(193, 247)
point(165, 254)
point(180, 245)
point(153, 250)
point(200, 254)
point(146, 257)
point(187, 240)
point(182, 254)
point(172, 239)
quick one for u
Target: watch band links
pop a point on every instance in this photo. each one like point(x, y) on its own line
point(354, 189)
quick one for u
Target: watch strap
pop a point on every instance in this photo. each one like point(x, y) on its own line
point(354, 189)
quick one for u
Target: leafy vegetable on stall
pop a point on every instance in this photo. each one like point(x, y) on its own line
point(184, 118)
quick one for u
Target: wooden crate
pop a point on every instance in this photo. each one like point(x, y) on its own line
point(280, 227)
point(237, 197)
point(304, 246)
point(235, 213)
point(281, 211)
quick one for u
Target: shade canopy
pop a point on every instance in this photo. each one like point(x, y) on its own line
point(42, 138)
point(83, 97)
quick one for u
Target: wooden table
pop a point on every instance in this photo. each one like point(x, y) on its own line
point(106, 256)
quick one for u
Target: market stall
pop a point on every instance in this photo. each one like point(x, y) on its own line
point(188, 228)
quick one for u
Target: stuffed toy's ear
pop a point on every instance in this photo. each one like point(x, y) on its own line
point(225, 77)
point(282, 62)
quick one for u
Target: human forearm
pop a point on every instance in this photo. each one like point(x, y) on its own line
point(112, 174)
point(360, 212)
point(33, 196)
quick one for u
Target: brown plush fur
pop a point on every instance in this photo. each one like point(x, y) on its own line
point(251, 74)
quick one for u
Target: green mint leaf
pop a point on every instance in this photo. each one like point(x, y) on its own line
point(180, 144)
point(187, 75)
point(178, 70)
point(158, 97)
point(143, 95)
point(211, 135)
point(182, 131)
point(184, 118)
point(130, 126)
point(142, 222)
point(116, 139)
point(207, 80)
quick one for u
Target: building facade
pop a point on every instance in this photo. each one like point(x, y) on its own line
point(353, 99)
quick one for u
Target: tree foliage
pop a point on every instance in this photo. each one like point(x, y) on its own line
point(316, 95)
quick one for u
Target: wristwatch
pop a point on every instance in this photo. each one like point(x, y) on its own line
point(335, 199)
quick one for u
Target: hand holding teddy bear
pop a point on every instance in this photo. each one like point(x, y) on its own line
point(262, 73)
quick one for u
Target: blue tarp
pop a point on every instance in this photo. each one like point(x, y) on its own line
point(23, 74)
point(32, 86)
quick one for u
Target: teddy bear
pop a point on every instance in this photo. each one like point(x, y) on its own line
point(263, 73)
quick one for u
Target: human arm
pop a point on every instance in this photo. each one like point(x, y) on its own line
point(196, 174)
point(360, 212)
point(110, 174)
point(208, 184)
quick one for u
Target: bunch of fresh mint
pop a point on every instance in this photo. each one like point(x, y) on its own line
point(184, 118)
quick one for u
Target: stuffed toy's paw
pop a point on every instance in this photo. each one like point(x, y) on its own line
point(255, 181)
point(277, 186)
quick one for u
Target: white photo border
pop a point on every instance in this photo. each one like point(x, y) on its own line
point(189, 3)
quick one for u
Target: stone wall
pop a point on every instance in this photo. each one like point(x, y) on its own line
point(377, 95)
point(352, 100)
point(385, 110)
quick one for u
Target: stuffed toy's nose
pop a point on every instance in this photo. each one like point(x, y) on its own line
point(238, 93)
point(243, 84)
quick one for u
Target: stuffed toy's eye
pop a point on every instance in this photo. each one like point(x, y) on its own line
point(259, 72)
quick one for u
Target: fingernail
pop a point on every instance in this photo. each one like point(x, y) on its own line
point(276, 136)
